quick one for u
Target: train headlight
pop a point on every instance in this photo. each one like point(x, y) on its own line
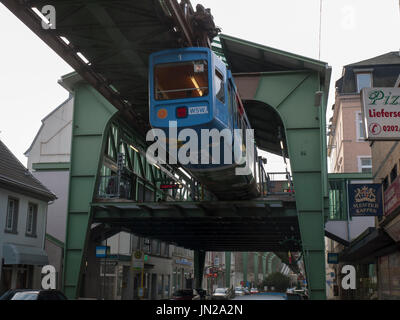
point(162, 113)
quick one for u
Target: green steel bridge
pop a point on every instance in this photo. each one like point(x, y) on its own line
point(285, 97)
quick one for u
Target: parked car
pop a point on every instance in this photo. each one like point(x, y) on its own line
point(186, 294)
point(31, 294)
point(223, 294)
point(10, 293)
point(200, 294)
point(246, 291)
point(253, 290)
point(239, 291)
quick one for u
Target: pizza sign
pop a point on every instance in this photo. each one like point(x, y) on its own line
point(381, 113)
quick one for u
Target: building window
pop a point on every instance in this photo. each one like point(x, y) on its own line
point(156, 247)
point(365, 164)
point(393, 173)
point(364, 80)
point(359, 126)
point(31, 220)
point(166, 249)
point(147, 245)
point(12, 216)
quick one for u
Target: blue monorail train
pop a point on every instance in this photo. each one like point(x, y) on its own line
point(193, 88)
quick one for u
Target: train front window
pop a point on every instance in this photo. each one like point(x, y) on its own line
point(181, 80)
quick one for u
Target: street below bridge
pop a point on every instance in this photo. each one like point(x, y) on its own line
point(262, 296)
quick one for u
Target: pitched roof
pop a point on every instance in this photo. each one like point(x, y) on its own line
point(13, 174)
point(387, 58)
point(44, 119)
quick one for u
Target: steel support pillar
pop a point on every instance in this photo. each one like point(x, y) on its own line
point(199, 259)
point(270, 258)
point(227, 269)
point(256, 268)
point(293, 96)
point(92, 114)
point(245, 257)
point(264, 265)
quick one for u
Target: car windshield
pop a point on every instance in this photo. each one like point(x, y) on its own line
point(181, 80)
point(239, 289)
point(220, 290)
point(25, 296)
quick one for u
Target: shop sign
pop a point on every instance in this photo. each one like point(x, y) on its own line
point(365, 199)
point(381, 113)
point(183, 261)
point(392, 197)
point(101, 251)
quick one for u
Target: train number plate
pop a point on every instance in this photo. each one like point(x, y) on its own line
point(198, 110)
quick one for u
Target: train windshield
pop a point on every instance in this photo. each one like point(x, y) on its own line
point(181, 80)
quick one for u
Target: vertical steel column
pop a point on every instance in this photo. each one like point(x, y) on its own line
point(91, 117)
point(227, 269)
point(292, 94)
point(264, 265)
point(245, 257)
point(199, 259)
point(255, 268)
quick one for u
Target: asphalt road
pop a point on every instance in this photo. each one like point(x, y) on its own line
point(261, 296)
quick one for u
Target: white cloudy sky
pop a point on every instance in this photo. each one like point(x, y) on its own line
point(352, 30)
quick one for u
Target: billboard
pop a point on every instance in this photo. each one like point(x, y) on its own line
point(381, 113)
point(392, 196)
point(365, 199)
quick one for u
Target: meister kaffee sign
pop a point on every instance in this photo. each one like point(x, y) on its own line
point(381, 113)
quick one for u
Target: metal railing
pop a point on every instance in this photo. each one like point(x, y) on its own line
point(115, 187)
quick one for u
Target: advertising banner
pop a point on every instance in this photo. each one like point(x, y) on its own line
point(392, 196)
point(365, 199)
point(381, 113)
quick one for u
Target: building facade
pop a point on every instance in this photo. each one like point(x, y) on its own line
point(361, 240)
point(23, 214)
point(385, 167)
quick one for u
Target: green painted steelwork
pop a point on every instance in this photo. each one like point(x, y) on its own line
point(245, 257)
point(274, 79)
point(51, 166)
point(264, 265)
point(292, 96)
point(269, 262)
point(256, 258)
point(227, 269)
point(91, 118)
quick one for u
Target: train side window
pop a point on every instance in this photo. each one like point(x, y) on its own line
point(219, 86)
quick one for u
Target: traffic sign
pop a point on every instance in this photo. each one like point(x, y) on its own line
point(138, 260)
point(101, 251)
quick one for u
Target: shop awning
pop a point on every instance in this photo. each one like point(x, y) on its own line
point(371, 244)
point(18, 254)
